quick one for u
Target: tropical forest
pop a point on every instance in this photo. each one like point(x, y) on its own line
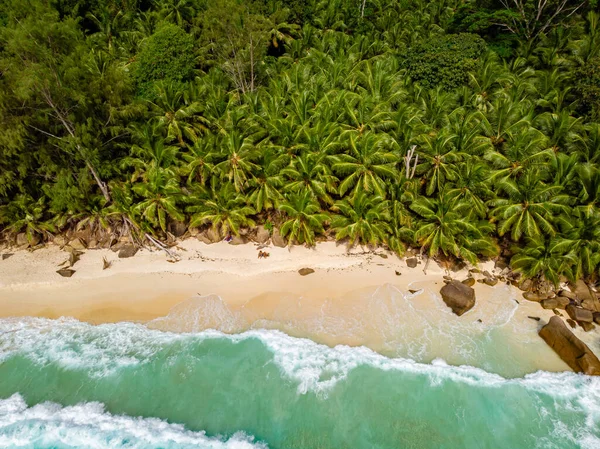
point(463, 130)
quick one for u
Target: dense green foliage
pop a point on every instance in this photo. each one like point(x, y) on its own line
point(444, 60)
point(385, 122)
point(587, 87)
point(168, 55)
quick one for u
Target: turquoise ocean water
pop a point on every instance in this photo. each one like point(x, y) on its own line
point(66, 384)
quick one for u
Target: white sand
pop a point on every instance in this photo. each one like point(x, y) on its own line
point(354, 297)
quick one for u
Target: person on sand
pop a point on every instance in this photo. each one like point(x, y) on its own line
point(229, 238)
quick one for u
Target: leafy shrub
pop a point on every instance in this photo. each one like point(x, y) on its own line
point(269, 226)
point(444, 60)
point(168, 55)
point(487, 23)
point(587, 87)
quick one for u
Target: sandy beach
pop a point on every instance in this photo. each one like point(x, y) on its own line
point(354, 297)
point(147, 286)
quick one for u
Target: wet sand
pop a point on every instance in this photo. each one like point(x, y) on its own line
point(353, 298)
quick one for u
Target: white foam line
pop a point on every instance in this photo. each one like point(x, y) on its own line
point(89, 425)
point(109, 346)
point(314, 367)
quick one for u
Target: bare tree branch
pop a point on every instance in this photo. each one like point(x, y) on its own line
point(542, 15)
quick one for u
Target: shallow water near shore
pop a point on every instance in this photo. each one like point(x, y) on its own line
point(496, 335)
point(67, 384)
point(377, 367)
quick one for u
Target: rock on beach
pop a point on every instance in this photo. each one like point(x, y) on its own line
point(458, 296)
point(570, 349)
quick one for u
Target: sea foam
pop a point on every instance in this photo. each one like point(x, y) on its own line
point(316, 367)
point(313, 368)
point(49, 425)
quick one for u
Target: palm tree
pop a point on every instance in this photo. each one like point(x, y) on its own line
point(559, 127)
point(379, 82)
point(467, 129)
point(589, 46)
point(528, 208)
point(310, 171)
point(26, 214)
point(365, 114)
point(487, 81)
point(362, 219)
point(267, 182)
point(588, 190)
point(472, 186)
point(505, 119)
point(199, 167)
point(180, 116)
point(237, 155)
point(94, 217)
point(304, 218)
point(586, 143)
point(122, 214)
point(323, 138)
point(545, 260)
point(284, 134)
point(177, 11)
point(224, 209)
point(435, 105)
point(281, 32)
point(438, 157)
point(563, 169)
point(151, 151)
point(550, 89)
point(444, 227)
point(407, 125)
point(302, 107)
point(160, 193)
point(108, 25)
point(212, 91)
point(146, 23)
point(584, 236)
point(401, 217)
point(366, 165)
point(524, 149)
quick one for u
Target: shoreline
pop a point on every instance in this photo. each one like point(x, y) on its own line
point(233, 272)
point(354, 297)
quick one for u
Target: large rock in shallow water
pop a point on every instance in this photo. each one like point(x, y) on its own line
point(570, 349)
point(458, 296)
